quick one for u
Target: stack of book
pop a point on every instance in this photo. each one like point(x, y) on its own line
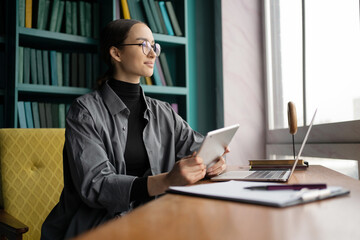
point(74, 69)
point(41, 115)
point(161, 76)
point(277, 164)
point(159, 15)
point(78, 17)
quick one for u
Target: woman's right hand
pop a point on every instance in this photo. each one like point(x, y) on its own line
point(187, 170)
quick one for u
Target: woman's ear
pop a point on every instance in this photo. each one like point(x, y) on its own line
point(115, 54)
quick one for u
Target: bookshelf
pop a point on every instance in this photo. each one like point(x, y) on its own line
point(2, 61)
point(180, 53)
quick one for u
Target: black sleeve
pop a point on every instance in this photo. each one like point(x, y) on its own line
point(139, 190)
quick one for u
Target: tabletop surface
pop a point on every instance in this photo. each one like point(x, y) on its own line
point(175, 216)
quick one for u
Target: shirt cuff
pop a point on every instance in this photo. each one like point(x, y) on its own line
point(139, 190)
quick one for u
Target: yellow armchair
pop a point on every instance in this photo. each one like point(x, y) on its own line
point(31, 179)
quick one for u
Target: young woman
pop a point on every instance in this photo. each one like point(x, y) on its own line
point(121, 147)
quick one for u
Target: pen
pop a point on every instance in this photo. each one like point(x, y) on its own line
point(287, 187)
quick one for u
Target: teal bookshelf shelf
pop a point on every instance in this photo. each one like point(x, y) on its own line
point(2, 39)
point(46, 89)
point(170, 40)
point(2, 92)
point(165, 90)
point(38, 37)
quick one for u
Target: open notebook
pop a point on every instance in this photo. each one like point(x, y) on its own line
point(236, 191)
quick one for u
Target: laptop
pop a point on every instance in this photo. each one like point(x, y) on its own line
point(266, 175)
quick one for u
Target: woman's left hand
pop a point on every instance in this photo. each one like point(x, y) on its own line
point(219, 167)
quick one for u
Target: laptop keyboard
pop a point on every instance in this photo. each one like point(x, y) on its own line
point(266, 175)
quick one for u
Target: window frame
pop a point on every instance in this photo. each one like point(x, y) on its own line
point(338, 140)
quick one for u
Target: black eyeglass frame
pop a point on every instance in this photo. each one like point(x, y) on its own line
point(143, 45)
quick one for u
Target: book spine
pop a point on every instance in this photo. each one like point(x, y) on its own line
point(59, 68)
point(22, 10)
point(162, 22)
point(28, 114)
point(35, 113)
point(48, 115)
point(33, 66)
point(125, 9)
point(150, 16)
point(26, 65)
point(61, 115)
point(21, 65)
point(68, 17)
point(148, 81)
point(21, 114)
point(161, 74)
point(166, 18)
point(60, 16)
point(175, 107)
point(117, 9)
point(46, 67)
point(46, 15)
point(28, 13)
point(53, 64)
point(74, 22)
point(39, 64)
point(66, 66)
point(156, 76)
point(41, 14)
point(42, 115)
point(82, 18)
point(156, 16)
point(166, 69)
point(55, 115)
point(88, 19)
point(173, 18)
point(54, 15)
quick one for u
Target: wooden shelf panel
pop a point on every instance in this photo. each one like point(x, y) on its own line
point(46, 39)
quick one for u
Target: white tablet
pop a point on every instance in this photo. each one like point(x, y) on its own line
point(214, 144)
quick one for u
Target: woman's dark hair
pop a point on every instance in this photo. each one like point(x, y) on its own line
point(113, 34)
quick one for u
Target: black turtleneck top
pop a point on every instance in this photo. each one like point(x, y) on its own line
point(136, 158)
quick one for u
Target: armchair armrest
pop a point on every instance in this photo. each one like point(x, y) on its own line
point(11, 227)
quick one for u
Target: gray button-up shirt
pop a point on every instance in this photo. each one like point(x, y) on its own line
point(96, 186)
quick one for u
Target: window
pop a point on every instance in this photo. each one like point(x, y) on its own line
point(312, 59)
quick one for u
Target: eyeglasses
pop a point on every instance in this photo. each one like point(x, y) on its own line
point(146, 47)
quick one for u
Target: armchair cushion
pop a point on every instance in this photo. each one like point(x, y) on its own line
point(31, 174)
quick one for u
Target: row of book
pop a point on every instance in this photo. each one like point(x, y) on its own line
point(77, 17)
point(2, 18)
point(41, 115)
point(159, 15)
point(2, 70)
point(45, 115)
point(75, 69)
point(161, 76)
point(2, 120)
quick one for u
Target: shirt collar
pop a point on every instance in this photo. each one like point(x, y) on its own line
point(114, 103)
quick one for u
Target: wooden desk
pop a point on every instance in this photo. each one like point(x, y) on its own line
point(184, 217)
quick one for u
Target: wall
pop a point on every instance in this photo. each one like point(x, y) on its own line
point(243, 78)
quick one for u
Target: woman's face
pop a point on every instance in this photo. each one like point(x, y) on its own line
point(134, 63)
